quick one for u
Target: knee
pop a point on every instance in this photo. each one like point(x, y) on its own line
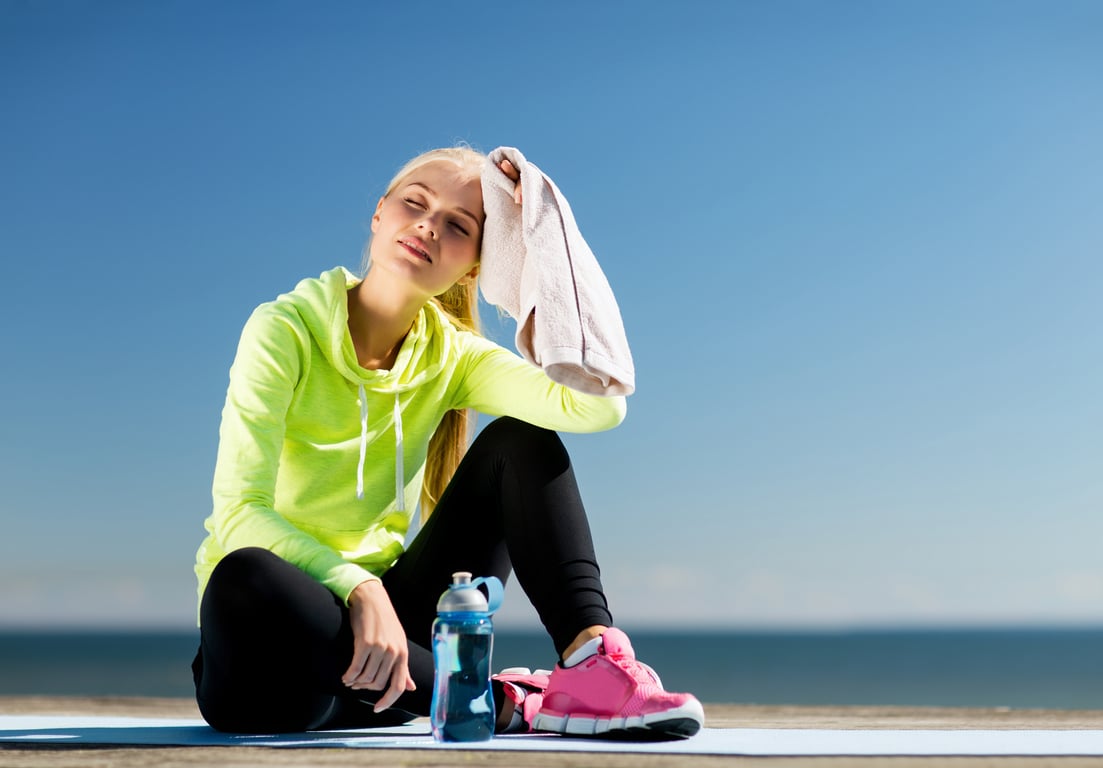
point(515, 438)
point(242, 566)
point(236, 580)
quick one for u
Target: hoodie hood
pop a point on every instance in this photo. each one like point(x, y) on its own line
point(322, 302)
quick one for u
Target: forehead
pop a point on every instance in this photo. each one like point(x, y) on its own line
point(449, 183)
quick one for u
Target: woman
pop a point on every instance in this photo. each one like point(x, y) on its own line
point(347, 404)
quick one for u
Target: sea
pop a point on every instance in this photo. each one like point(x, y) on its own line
point(1015, 668)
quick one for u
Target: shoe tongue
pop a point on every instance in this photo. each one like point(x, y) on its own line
point(616, 643)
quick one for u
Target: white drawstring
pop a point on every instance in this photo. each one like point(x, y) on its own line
point(399, 459)
point(363, 442)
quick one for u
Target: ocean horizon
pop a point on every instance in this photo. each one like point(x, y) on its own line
point(1044, 668)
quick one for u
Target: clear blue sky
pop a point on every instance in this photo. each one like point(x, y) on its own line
point(858, 247)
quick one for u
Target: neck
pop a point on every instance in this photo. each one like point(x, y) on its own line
point(380, 316)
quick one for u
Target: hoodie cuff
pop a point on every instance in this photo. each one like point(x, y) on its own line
point(344, 579)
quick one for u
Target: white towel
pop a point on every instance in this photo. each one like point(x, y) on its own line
point(537, 267)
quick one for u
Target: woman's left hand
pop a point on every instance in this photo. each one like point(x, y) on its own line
point(514, 175)
point(380, 651)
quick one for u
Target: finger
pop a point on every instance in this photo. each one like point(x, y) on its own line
point(370, 677)
point(356, 667)
point(510, 170)
point(400, 682)
point(383, 674)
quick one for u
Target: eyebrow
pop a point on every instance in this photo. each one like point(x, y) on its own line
point(433, 192)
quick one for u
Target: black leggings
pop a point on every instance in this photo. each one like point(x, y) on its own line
point(275, 642)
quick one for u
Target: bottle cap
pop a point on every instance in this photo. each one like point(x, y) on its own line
point(464, 596)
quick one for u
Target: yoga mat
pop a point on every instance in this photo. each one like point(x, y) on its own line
point(92, 730)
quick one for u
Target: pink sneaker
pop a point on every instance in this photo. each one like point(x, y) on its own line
point(610, 694)
point(526, 690)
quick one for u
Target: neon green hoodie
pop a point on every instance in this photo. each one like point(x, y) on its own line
point(321, 461)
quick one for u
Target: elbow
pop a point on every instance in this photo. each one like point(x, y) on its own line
point(614, 410)
point(620, 409)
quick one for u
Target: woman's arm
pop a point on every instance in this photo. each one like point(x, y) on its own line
point(498, 382)
point(266, 369)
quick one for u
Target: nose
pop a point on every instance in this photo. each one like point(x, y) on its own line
point(428, 225)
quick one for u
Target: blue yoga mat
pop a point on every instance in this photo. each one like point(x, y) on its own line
point(94, 730)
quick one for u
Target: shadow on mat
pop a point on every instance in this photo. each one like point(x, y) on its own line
point(202, 736)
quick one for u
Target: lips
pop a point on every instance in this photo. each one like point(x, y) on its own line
point(416, 247)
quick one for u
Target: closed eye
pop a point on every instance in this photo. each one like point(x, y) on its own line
point(460, 228)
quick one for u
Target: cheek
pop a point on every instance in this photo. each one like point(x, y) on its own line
point(394, 213)
point(463, 259)
point(471, 254)
point(463, 247)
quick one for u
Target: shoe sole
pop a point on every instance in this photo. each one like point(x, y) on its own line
point(679, 723)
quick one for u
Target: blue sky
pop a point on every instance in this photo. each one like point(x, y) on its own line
point(857, 247)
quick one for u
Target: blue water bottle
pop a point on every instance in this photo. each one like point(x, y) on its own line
point(463, 639)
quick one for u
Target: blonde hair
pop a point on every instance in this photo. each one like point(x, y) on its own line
point(460, 304)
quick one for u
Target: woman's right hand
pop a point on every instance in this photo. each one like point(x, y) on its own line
point(380, 653)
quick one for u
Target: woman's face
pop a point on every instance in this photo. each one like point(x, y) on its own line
point(429, 228)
